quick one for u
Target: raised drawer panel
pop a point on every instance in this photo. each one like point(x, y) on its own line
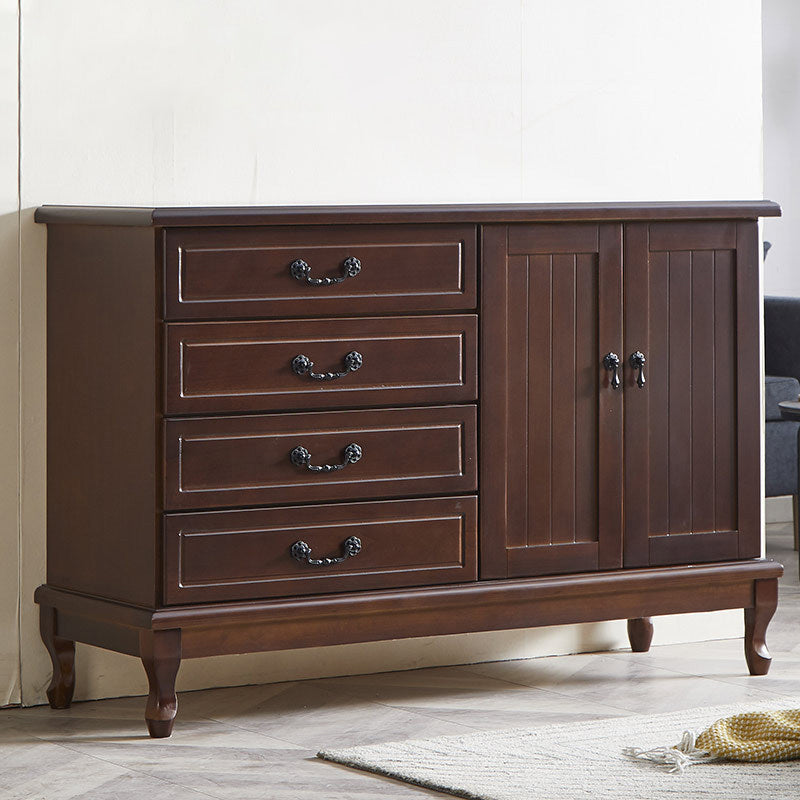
point(248, 366)
point(246, 461)
point(237, 555)
point(247, 272)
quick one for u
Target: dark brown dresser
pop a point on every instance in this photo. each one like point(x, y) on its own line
point(273, 428)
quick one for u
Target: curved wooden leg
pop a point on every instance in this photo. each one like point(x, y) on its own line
point(62, 654)
point(756, 620)
point(640, 634)
point(161, 655)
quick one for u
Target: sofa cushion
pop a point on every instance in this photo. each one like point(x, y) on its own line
point(782, 336)
point(781, 458)
point(776, 390)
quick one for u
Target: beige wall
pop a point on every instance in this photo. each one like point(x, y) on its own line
point(264, 102)
point(9, 358)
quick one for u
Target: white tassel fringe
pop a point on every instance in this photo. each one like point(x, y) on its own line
point(673, 759)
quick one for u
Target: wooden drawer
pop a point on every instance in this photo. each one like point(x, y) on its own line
point(237, 555)
point(247, 272)
point(239, 461)
point(249, 366)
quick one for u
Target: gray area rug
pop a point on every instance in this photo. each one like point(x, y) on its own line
point(578, 760)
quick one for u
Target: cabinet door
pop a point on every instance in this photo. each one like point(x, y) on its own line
point(692, 480)
point(550, 422)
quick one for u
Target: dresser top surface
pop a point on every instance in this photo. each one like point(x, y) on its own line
point(377, 214)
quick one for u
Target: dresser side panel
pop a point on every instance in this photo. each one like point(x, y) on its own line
point(103, 411)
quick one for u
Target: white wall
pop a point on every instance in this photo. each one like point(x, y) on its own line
point(267, 102)
point(781, 44)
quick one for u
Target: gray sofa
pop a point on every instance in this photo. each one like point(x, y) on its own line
point(782, 367)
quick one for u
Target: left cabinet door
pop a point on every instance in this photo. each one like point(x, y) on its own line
point(550, 417)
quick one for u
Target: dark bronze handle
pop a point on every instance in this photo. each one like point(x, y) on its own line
point(351, 547)
point(611, 363)
point(302, 365)
point(351, 266)
point(637, 362)
point(302, 458)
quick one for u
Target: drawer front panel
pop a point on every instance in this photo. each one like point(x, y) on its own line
point(251, 366)
point(237, 555)
point(247, 461)
point(247, 272)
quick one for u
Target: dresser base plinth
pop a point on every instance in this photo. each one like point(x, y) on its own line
point(162, 637)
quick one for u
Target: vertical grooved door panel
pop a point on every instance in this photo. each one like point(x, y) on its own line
point(687, 476)
point(679, 389)
point(724, 402)
point(551, 311)
point(537, 330)
point(519, 426)
point(566, 355)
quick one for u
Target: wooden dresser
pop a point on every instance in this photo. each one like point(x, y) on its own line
point(272, 428)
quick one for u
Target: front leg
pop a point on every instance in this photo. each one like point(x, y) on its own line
point(62, 654)
point(161, 655)
point(756, 620)
point(640, 634)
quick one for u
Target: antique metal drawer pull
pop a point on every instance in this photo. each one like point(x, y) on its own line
point(637, 362)
point(611, 363)
point(351, 266)
point(302, 458)
point(303, 365)
point(301, 552)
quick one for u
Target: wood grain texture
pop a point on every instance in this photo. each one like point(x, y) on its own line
point(62, 656)
point(748, 405)
point(686, 310)
point(610, 452)
point(475, 213)
point(561, 421)
point(703, 326)
point(234, 555)
point(644, 444)
point(666, 237)
point(725, 404)
point(587, 299)
point(572, 471)
point(691, 547)
point(247, 366)
point(527, 522)
point(530, 396)
point(495, 444)
point(552, 559)
point(213, 628)
point(561, 237)
point(245, 272)
point(680, 371)
point(220, 462)
point(161, 658)
point(103, 380)
point(756, 619)
point(100, 633)
point(640, 634)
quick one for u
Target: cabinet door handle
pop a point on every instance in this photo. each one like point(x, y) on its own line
point(301, 457)
point(300, 271)
point(301, 552)
point(637, 362)
point(611, 363)
point(303, 365)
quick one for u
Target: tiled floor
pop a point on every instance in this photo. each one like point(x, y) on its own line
point(259, 741)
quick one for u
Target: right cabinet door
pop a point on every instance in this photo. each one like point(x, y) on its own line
point(692, 443)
